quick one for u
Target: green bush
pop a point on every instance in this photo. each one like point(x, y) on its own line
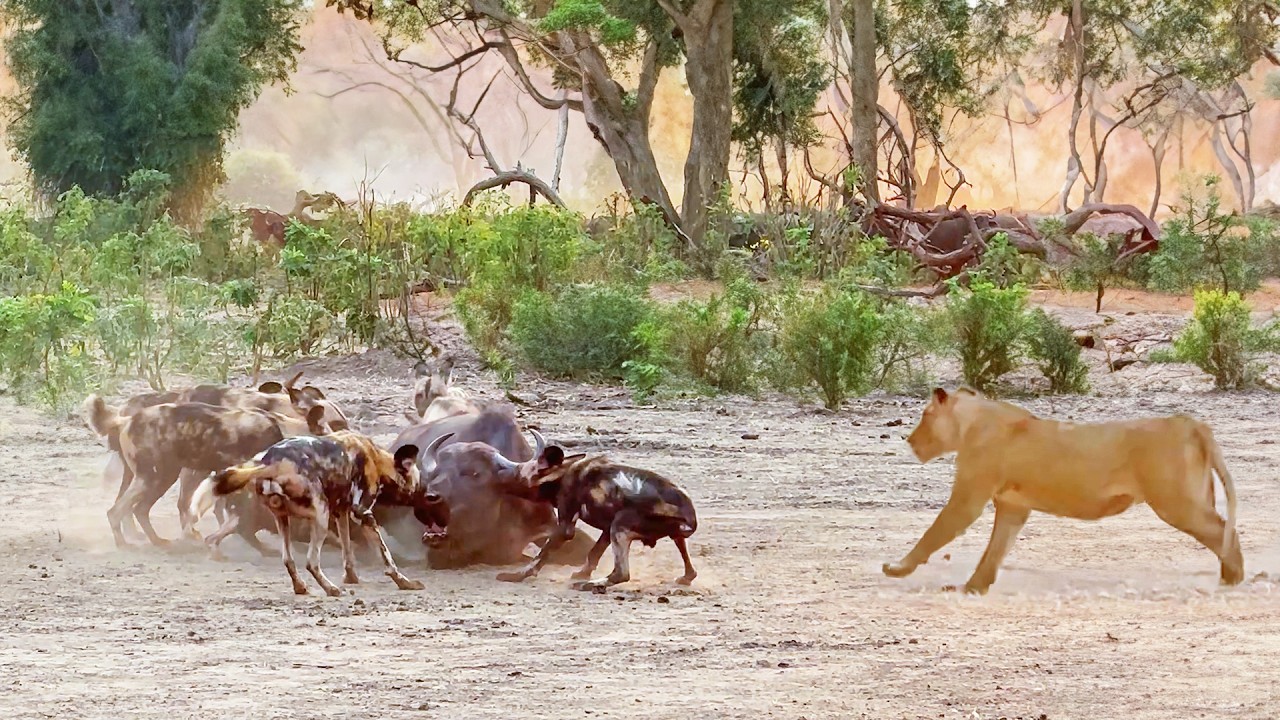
point(1221, 341)
point(1097, 266)
point(1202, 247)
point(584, 330)
point(910, 336)
point(1057, 353)
point(829, 339)
point(719, 342)
point(1004, 266)
point(988, 325)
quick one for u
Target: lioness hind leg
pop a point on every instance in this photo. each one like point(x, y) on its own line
point(1009, 521)
point(960, 512)
point(1203, 523)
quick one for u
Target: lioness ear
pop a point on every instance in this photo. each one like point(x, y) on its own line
point(939, 395)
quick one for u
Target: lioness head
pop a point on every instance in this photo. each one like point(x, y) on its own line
point(938, 431)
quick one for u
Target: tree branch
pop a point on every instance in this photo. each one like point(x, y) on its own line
point(504, 179)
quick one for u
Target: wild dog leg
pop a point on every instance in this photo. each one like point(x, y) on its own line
point(593, 558)
point(348, 552)
point(158, 485)
point(116, 468)
point(128, 495)
point(188, 480)
point(960, 512)
point(563, 535)
point(1009, 521)
point(228, 527)
point(319, 531)
point(286, 553)
point(689, 572)
point(620, 537)
point(371, 531)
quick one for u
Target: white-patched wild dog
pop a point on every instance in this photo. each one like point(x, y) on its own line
point(339, 476)
point(434, 396)
point(284, 398)
point(624, 503)
point(158, 442)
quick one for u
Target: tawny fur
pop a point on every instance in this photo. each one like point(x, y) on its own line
point(1086, 471)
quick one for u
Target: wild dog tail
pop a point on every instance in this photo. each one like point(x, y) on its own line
point(102, 418)
point(202, 500)
point(1209, 446)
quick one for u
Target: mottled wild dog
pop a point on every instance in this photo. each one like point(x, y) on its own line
point(624, 503)
point(283, 398)
point(317, 478)
point(157, 442)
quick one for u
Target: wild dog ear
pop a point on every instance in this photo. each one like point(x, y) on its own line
point(271, 388)
point(420, 369)
point(551, 457)
point(315, 420)
point(939, 395)
point(405, 458)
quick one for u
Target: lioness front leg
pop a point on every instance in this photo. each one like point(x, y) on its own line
point(959, 513)
point(1009, 522)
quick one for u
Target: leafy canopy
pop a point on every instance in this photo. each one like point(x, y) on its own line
point(107, 88)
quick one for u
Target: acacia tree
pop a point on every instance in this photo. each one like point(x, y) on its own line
point(107, 88)
point(938, 56)
point(1157, 53)
point(590, 46)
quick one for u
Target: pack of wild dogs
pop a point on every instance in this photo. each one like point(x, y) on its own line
point(463, 480)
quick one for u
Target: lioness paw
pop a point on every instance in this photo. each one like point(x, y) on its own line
point(896, 570)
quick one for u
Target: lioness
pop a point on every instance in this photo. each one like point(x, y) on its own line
point(1087, 471)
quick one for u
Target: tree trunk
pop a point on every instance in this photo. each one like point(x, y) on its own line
point(622, 127)
point(864, 86)
point(708, 37)
point(1077, 105)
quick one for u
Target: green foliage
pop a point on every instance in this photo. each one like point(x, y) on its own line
point(777, 80)
point(719, 342)
point(1002, 265)
point(1221, 341)
point(1097, 266)
point(42, 344)
point(830, 340)
point(108, 88)
point(1057, 353)
point(1204, 247)
point(583, 330)
point(909, 338)
point(988, 325)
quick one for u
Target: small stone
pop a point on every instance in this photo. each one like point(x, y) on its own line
point(664, 599)
point(750, 436)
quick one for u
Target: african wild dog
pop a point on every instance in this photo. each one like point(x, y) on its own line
point(434, 396)
point(339, 476)
point(623, 502)
point(282, 398)
point(246, 515)
point(157, 442)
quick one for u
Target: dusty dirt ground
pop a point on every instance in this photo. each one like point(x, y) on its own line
point(789, 618)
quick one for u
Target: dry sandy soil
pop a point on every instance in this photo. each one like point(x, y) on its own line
point(789, 618)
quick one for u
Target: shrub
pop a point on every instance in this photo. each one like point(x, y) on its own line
point(1203, 247)
point(586, 329)
point(988, 324)
point(42, 344)
point(1004, 266)
point(830, 340)
point(1096, 267)
point(1220, 340)
point(719, 342)
point(908, 339)
point(1057, 353)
